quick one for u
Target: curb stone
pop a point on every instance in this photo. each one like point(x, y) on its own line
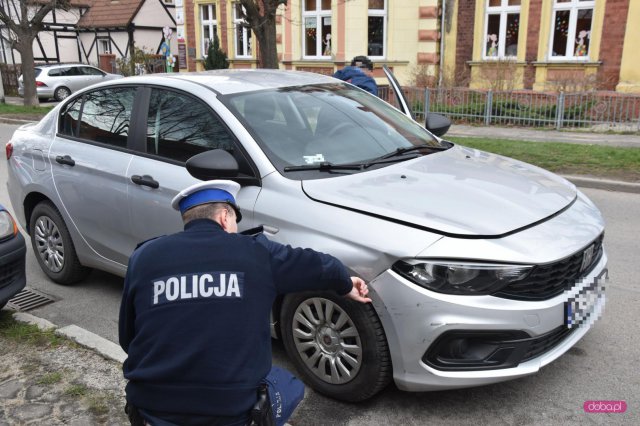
point(100, 345)
point(606, 184)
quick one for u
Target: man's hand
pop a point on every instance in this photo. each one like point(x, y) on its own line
point(359, 291)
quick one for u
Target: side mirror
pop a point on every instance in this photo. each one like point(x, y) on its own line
point(214, 164)
point(437, 124)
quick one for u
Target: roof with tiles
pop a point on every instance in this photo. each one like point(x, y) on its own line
point(110, 13)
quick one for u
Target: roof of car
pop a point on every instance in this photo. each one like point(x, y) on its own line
point(242, 80)
point(62, 65)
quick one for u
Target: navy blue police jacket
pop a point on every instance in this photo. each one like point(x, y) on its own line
point(194, 318)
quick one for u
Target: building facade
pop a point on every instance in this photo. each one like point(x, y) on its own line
point(543, 44)
point(321, 35)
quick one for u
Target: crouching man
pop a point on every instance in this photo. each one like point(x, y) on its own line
point(194, 318)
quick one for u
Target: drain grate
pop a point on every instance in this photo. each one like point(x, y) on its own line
point(29, 299)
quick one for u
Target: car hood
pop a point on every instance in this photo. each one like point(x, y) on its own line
point(460, 192)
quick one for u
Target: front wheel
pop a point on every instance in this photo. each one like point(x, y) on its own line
point(53, 246)
point(338, 345)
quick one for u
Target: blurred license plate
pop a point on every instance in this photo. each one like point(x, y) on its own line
point(583, 307)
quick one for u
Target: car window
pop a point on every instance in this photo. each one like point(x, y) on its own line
point(70, 117)
point(105, 116)
point(55, 72)
point(90, 71)
point(325, 123)
point(179, 127)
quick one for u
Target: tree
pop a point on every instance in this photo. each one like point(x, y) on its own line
point(24, 25)
point(216, 58)
point(261, 17)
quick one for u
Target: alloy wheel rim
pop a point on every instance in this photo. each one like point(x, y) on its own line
point(49, 244)
point(327, 340)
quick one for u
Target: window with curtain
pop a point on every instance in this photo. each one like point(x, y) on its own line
point(502, 26)
point(208, 26)
point(377, 29)
point(316, 29)
point(571, 29)
point(242, 33)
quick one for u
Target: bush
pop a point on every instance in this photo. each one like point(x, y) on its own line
point(216, 58)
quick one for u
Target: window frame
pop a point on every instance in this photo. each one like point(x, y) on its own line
point(504, 10)
point(140, 140)
point(211, 23)
point(104, 46)
point(385, 21)
point(319, 14)
point(247, 35)
point(573, 6)
point(81, 99)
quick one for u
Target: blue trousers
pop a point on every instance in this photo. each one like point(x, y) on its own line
point(285, 392)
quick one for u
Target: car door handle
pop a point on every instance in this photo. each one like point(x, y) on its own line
point(145, 180)
point(65, 159)
point(270, 229)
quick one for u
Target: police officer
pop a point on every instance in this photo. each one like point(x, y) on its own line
point(194, 318)
point(360, 74)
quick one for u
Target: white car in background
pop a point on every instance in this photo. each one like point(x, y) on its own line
point(58, 81)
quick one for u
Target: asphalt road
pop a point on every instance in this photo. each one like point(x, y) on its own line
point(602, 366)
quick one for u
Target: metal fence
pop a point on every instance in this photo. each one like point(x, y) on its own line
point(605, 110)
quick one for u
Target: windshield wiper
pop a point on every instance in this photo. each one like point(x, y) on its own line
point(325, 166)
point(402, 151)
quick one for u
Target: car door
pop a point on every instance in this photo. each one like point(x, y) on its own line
point(74, 79)
point(178, 126)
point(89, 158)
point(91, 75)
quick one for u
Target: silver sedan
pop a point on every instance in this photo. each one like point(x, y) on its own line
point(481, 268)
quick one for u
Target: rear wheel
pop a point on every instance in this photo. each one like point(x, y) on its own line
point(338, 345)
point(61, 93)
point(53, 246)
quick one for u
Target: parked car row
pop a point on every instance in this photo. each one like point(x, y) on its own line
point(58, 81)
point(481, 268)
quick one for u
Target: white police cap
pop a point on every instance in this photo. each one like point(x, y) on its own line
point(211, 191)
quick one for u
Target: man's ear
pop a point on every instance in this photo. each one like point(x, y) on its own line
point(224, 219)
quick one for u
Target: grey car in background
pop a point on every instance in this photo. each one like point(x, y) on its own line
point(58, 81)
point(481, 268)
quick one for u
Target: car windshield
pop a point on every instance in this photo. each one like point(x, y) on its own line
point(330, 124)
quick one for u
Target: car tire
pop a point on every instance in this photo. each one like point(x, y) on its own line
point(53, 246)
point(61, 93)
point(350, 339)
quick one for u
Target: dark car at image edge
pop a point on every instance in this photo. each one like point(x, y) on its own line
point(12, 258)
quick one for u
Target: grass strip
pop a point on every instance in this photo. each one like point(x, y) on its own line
point(21, 109)
point(27, 333)
point(588, 160)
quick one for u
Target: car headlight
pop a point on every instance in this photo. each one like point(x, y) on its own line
point(7, 225)
point(460, 278)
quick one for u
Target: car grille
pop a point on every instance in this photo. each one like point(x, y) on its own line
point(546, 342)
point(547, 281)
point(11, 271)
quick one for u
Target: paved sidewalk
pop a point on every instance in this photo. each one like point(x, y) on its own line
point(59, 385)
